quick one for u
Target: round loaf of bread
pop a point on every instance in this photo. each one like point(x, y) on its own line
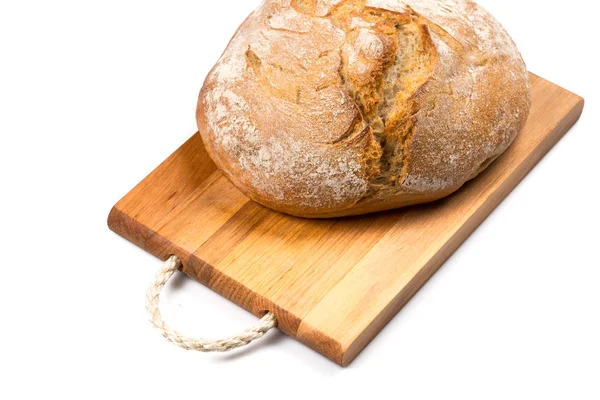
point(326, 108)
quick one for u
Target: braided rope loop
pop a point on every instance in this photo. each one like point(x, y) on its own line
point(266, 323)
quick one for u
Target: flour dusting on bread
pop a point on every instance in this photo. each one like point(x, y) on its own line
point(337, 107)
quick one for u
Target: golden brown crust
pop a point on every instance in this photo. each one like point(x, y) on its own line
point(323, 108)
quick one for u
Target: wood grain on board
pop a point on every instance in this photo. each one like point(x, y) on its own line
point(333, 284)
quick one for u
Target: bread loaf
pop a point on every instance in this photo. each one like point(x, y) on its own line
point(325, 108)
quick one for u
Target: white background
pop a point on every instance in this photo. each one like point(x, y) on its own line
point(95, 94)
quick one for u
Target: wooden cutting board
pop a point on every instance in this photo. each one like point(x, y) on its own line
point(333, 284)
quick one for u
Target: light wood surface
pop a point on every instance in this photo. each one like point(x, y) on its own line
point(333, 284)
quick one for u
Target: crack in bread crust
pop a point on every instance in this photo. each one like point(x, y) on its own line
point(390, 84)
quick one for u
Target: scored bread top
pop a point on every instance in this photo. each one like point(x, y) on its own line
point(324, 108)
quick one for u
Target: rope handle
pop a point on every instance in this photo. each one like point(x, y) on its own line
point(172, 264)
